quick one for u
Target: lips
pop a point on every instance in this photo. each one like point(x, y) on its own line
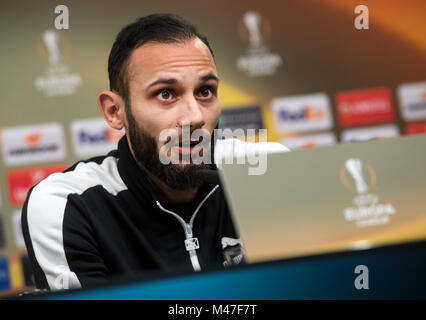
point(186, 147)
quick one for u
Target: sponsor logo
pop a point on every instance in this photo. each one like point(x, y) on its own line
point(360, 178)
point(255, 30)
point(370, 133)
point(17, 229)
point(94, 137)
point(415, 128)
point(241, 118)
point(310, 141)
point(30, 144)
point(412, 101)
point(21, 181)
point(364, 107)
point(4, 274)
point(302, 113)
point(56, 81)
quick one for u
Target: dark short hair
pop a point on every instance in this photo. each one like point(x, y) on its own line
point(162, 28)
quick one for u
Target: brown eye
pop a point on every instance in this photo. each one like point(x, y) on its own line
point(165, 94)
point(206, 92)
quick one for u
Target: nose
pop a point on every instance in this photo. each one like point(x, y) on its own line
point(192, 114)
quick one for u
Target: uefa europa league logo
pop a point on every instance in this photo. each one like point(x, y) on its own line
point(56, 81)
point(363, 180)
point(252, 21)
point(51, 42)
point(367, 211)
point(258, 60)
point(354, 167)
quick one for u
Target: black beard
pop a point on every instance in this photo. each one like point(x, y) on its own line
point(145, 149)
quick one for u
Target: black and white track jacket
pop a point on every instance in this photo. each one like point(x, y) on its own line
point(102, 218)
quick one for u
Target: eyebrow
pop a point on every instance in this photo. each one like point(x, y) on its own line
point(162, 81)
point(208, 77)
point(204, 78)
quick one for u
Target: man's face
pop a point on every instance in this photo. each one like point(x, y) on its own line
point(171, 86)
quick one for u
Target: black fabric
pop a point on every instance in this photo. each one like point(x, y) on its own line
point(108, 235)
point(27, 270)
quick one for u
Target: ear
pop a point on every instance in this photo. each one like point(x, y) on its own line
point(112, 107)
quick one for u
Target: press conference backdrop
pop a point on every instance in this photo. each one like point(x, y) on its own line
point(300, 69)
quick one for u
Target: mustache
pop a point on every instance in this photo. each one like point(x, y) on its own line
point(178, 139)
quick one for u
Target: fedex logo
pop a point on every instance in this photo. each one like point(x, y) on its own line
point(94, 137)
point(108, 136)
point(307, 113)
point(302, 113)
point(22, 180)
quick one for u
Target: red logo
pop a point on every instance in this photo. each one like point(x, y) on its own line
point(415, 128)
point(364, 107)
point(22, 180)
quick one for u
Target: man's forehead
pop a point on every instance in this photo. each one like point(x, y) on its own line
point(154, 58)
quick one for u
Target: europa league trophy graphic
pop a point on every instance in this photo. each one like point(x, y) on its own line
point(354, 167)
point(51, 42)
point(367, 211)
point(56, 81)
point(252, 21)
point(258, 60)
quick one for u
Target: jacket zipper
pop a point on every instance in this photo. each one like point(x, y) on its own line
point(191, 243)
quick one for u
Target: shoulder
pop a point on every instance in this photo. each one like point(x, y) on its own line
point(82, 176)
point(52, 193)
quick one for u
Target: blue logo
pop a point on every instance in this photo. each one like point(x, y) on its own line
point(86, 137)
point(307, 113)
point(4, 274)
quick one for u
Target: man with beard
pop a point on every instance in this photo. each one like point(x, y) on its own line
point(128, 213)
